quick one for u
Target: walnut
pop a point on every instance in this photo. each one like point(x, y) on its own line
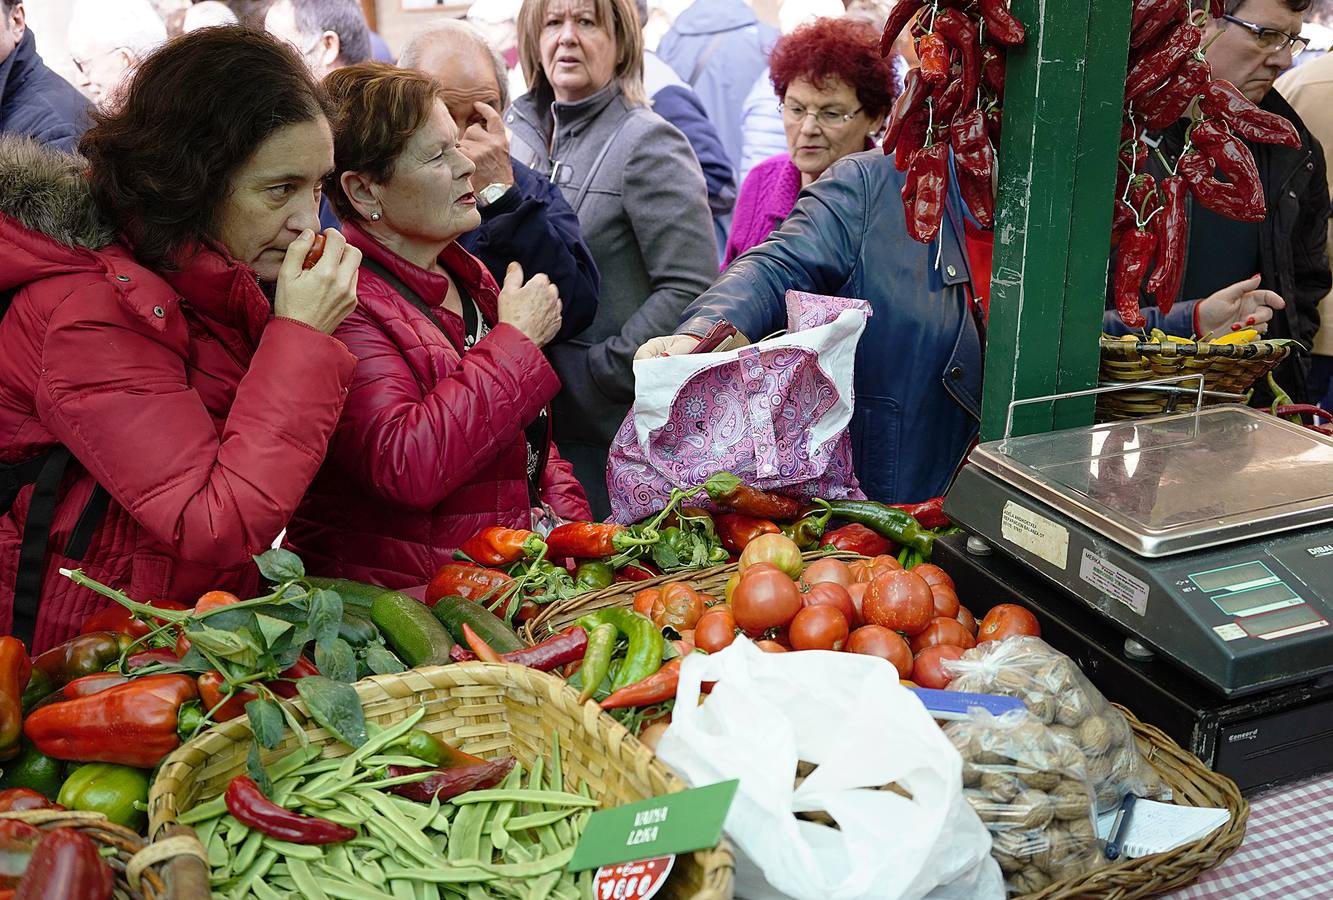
point(1000, 786)
point(971, 774)
point(1043, 779)
point(1018, 844)
point(1094, 736)
point(1071, 801)
point(1008, 864)
point(1099, 771)
point(1057, 675)
point(1042, 706)
point(1029, 881)
point(1037, 806)
point(1072, 708)
point(1071, 758)
point(1011, 683)
point(1082, 829)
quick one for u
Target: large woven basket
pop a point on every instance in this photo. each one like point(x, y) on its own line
point(1150, 876)
point(486, 709)
point(172, 869)
point(1226, 368)
point(558, 616)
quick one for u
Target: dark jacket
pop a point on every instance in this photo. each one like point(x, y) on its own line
point(36, 102)
point(535, 227)
point(918, 366)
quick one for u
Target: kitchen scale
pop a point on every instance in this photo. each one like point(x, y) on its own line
point(1185, 561)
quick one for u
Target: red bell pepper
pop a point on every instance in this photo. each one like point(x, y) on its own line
point(496, 546)
point(857, 538)
point(466, 580)
point(83, 687)
point(18, 840)
point(66, 866)
point(637, 571)
point(285, 684)
point(735, 530)
point(251, 808)
point(15, 669)
point(21, 799)
point(929, 514)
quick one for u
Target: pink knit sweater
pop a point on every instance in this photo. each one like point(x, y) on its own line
point(767, 196)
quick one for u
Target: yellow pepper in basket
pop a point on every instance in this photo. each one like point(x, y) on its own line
point(1244, 336)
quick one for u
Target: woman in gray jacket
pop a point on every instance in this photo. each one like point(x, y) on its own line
point(641, 200)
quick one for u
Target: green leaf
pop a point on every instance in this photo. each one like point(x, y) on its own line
point(225, 620)
point(271, 629)
point(254, 767)
point(335, 706)
point(278, 565)
point(326, 613)
point(285, 659)
point(195, 661)
point(665, 556)
point(337, 660)
point(235, 646)
point(382, 661)
point(265, 721)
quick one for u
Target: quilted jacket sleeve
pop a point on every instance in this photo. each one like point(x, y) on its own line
point(114, 389)
point(414, 447)
point(562, 491)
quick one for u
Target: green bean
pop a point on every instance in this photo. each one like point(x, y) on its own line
point(373, 872)
point(305, 880)
point(448, 874)
point(343, 891)
point(255, 871)
point(287, 850)
point(383, 761)
point(236, 832)
point(548, 798)
point(539, 819)
point(498, 835)
point(556, 778)
point(210, 809)
point(293, 762)
point(380, 741)
point(462, 825)
point(264, 892)
point(476, 892)
point(542, 866)
point(396, 819)
point(541, 890)
point(249, 850)
point(402, 889)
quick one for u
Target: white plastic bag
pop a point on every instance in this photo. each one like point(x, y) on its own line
point(847, 714)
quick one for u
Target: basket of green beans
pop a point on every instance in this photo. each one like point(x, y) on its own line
point(342, 808)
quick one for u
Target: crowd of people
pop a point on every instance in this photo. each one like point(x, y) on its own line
point(263, 281)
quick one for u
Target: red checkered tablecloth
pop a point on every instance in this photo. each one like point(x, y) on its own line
point(1286, 852)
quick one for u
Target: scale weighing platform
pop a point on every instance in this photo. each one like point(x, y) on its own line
point(1185, 562)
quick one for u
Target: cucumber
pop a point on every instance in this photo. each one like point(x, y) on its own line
point(356, 594)
point(453, 612)
point(356, 629)
point(415, 635)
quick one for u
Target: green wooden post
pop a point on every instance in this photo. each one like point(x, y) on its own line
point(1063, 97)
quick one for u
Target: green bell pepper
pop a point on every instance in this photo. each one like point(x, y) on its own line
point(593, 576)
point(34, 770)
point(118, 792)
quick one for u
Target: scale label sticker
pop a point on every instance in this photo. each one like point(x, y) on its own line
point(1229, 632)
point(1114, 582)
point(1036, 534)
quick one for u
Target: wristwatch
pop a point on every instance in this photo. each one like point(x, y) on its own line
point(491, 193)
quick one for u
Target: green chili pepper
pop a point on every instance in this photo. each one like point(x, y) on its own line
point(593, 576)
point(646, 645)
point(808, 530)
point(597, 659)
point(894, 524)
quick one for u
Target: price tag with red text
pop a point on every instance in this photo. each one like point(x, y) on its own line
point(632, 880)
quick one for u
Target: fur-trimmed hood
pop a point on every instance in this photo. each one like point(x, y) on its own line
point(47, 192)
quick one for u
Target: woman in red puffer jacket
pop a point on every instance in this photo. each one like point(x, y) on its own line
point(446, 427)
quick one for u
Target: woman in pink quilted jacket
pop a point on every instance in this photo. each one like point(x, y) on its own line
point(446, 427)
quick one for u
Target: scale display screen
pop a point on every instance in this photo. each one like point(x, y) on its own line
point(1235, 578)
point(1280, 624)
point(1258, 600)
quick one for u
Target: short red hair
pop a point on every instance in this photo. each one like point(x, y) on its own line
point(846, 49)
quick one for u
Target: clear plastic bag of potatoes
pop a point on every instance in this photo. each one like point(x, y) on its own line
point(1031, 790)
point(1061, 697)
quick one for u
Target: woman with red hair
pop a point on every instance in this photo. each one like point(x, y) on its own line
point(835, 90)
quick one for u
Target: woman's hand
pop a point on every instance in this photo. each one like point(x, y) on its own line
point(532, 308)
point(1237, 306)
point(323, 295)
point(667, 345)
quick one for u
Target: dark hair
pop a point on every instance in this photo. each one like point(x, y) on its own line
point(846, 49)
point(161, 165)
point(376, 109)
point(344, 18)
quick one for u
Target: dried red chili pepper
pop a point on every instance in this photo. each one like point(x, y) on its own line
point(451, 782)
point(1133, 261)
point(15, 670)
point(564, 648)
point(1152, 18)
point(911, 141)
point(725, 489)
point(1221, 100)
point(1001, 24)
point(960, 31)
point(592, 540)
point(1168, 103)
point(1241, 196)
point(909, 102)
point(735, 530)
point(1150, 70)
point(857, 538)
point(899, 16)
point(992, 70)
point(465, 580)
point(924, 192)
point(496, 546)
point(933, 51)
point(132, 724)
point(1170, 227)
point(656, 688)
point(947, 105)
point(251, 808)
point(66, 866)
point(1217, 8)
point(974, 162)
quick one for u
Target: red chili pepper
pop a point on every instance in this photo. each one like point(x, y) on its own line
point(924, 192)
point(251, 808)
point(637, 571)
point(21, 799)
point(66, 866)
point(566, 647)
point(1170, 227)
point(656, 688)
point(974, 162)
point(993, 70)
point(909, 103)
point(960, 31)
point(735, 530)
point(18, 840)
point(119, 619)
point(1001, 24)
point(1302, 409)
point(933, 52)
point(1168, 103)
point(1152, 18)
point(149, 657)
point(479, 646)
point(451, 782)
point(1133, 261)
point(285, 684)
point(1221, 100)
point(15, 670)
point(496, 546)
point(1217, 8)
point(1241, 196)
point(591, 540)
point(947, 104)
point(899, 16)
point(725, 489)
point(1151, 69)
point(132, 724)
point(467, 581)
point(929, 514)
point(857, 538)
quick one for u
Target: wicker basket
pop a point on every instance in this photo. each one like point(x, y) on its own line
point(171, 869)
point(558, 616)
point(1227, 368)
point(485, 709)
point(1151, 876)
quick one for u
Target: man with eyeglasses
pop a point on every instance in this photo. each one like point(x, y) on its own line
point(329, 34)
point(34, 100)
point(107, 39)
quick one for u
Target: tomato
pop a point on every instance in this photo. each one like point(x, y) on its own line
point(715, 630)
point(933, 575)
point(899, 600)
point(857, 591)
point(679, 606)
point(928, 667)
point(214, 600)
point(685, 644)
point(709, 600)
point(1007, 620)
point(829, 594)
point(876, 640)
point(765, 600)
point(865, 570)
point(315, 252)
point(770, 646)
point(819, 627)
point(651, 734)
point(946, 599)
point(644, 600)
point(528, 611)
point(823, 571)
point(777, 549)
point(967, 620)
point(943, 630)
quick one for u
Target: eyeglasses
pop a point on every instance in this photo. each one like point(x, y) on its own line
point(827, 118)
point(1272, 40)
point(82, 64)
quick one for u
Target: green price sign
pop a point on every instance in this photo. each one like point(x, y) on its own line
point(661, 826)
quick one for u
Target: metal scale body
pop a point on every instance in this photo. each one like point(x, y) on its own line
point(1185, 561)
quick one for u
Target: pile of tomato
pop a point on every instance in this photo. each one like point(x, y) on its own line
point(910, 617)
